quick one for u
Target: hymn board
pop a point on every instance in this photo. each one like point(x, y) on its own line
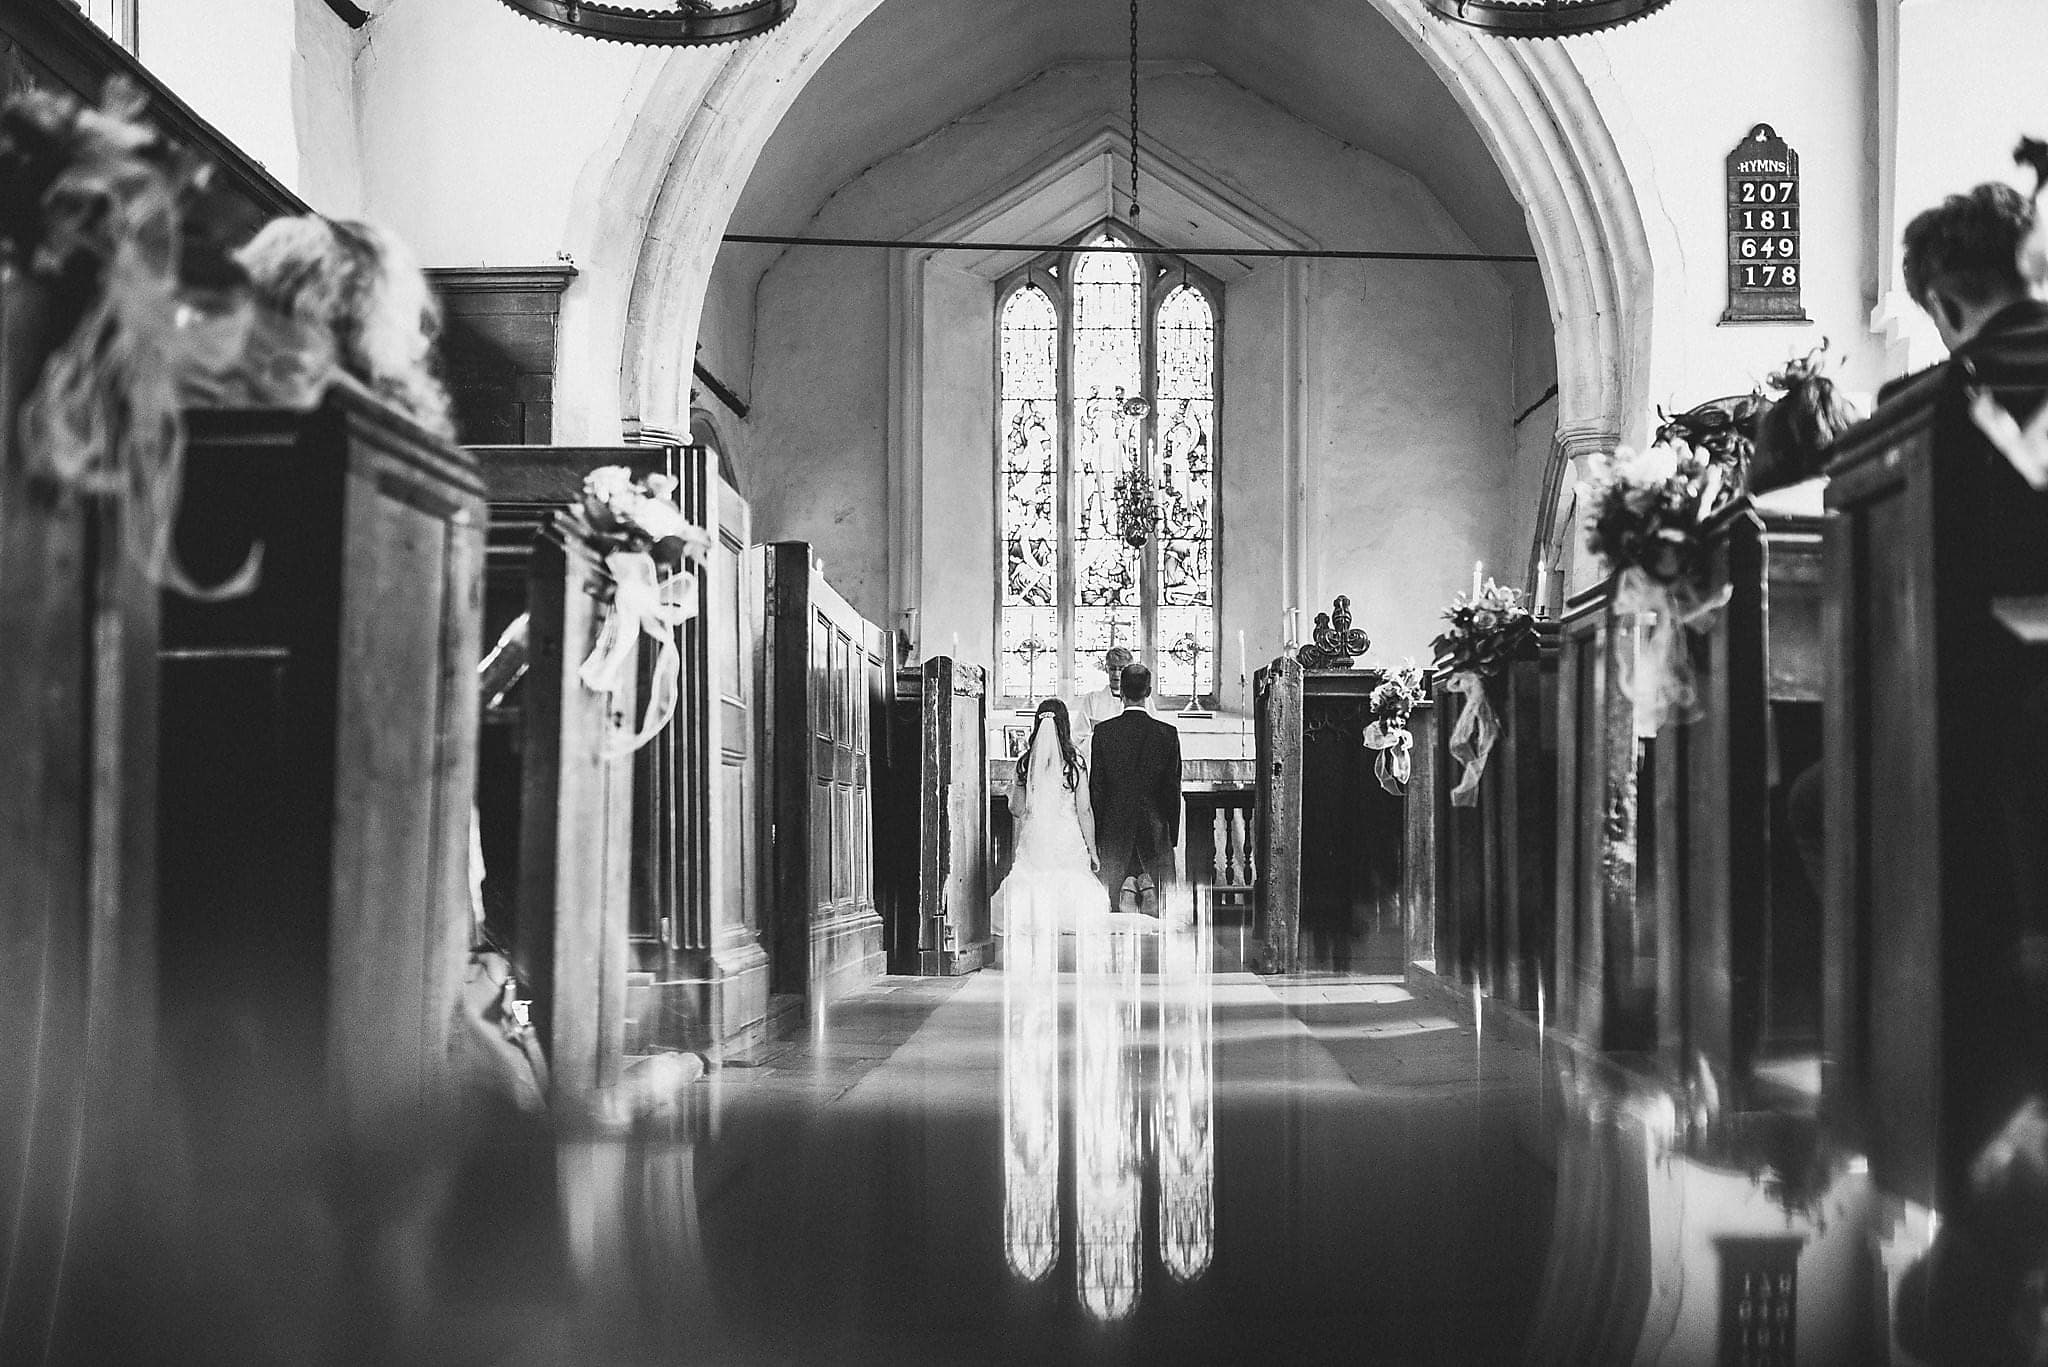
point(1765, 266)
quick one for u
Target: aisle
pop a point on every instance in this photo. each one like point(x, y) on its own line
point(1153, 1162)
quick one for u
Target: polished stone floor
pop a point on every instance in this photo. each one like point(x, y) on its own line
point(1116, 1148)
point(1112, 1150)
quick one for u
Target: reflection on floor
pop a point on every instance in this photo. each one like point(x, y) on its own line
point(1119, 1148)
point(1137, 1159)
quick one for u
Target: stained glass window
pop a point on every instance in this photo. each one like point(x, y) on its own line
point(1109, 367)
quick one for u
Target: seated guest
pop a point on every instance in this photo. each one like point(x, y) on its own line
point(1963, 266)
point(358, 285)
point(1966, 263)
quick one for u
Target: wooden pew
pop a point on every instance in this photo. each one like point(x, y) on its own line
point(1462, 851)
point(1496, 860)
point(1606, 934)
point(695, 976)
point(1732, 959)
point(576, 825)
point(318, 757)
point(826, 690)
point(1421, 872)
point(932, 800)
point(1331, 842)
point(1930, 1040)
point(78, 969)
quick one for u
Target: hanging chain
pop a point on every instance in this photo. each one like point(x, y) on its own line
point(1134, 113)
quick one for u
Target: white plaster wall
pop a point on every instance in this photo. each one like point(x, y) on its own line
point(1680, 90)
point(324, 111)
point(1969, 84)
point(1411, 474)
point(231, 60)
point(1253, 497)
point(816, 436)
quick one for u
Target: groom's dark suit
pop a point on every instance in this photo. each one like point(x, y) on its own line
point(1134, 784)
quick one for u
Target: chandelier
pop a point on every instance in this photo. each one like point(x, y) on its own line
point(1544, 18)
point(692, 23)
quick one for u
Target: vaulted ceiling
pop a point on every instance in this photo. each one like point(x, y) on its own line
point(917, 65)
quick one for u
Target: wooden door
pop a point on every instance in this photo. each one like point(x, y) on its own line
point(826, 681)
point(732, 622)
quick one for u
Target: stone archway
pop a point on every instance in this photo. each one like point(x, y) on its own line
point(1529, 101)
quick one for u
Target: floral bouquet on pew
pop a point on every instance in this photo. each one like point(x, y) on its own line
point(648, 546)
point(1647, 516)
point(1390, 705)
point(1486, 634)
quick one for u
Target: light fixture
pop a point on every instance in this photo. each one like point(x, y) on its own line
point(1544, 18)
point(692, 23)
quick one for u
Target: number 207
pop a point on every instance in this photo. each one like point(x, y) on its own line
point(1766, 277)
point(1767, 192)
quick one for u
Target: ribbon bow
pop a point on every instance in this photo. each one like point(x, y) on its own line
point(1395, 744)
point(641, 605)
point(1659, 680)
point(1472, 738)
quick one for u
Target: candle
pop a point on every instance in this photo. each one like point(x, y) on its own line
point(1243, 668)
point(1542, 589)
point(956, 646)
point(1476, 567)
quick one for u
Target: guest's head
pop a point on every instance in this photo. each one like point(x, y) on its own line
point(1137, 683)
point(358, 283)
point(1962, 258)
point(1113, 662)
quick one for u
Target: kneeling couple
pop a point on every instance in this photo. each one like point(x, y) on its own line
point(1083, 829)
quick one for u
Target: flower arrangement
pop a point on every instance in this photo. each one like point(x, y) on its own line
point(647, 545)
point(1647, 508)
point(1487, 632)
point(1390, 704)
point(91, 220)
point(1648, 513)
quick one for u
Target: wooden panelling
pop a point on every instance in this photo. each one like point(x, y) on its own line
point(498, 349)
point(826, 687)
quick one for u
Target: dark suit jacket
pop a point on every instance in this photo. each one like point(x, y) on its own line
point(2006, 551)
point(1134, 783)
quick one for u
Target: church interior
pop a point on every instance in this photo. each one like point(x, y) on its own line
point(591, 601)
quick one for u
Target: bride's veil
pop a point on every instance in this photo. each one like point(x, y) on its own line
point(1047, 770)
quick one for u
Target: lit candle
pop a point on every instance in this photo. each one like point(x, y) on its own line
point(1476, 567)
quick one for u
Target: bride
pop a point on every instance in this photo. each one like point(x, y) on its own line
point(1053, 875)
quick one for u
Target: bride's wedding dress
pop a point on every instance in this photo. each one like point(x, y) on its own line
point(1052, 880)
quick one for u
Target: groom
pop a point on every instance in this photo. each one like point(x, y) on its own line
point(1134, 784)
